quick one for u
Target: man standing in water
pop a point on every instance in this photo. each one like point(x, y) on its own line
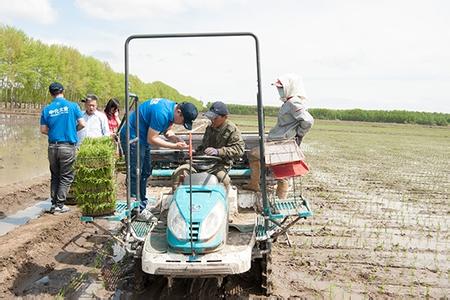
point(60, 120)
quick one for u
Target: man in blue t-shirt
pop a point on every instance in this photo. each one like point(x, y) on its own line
point(156, 117)
point(60, 120)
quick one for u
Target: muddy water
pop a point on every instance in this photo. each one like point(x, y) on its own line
point(23, 149)
point(10, 222)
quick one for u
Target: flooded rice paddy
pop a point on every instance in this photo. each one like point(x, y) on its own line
point(380, 196)
point(23, 149)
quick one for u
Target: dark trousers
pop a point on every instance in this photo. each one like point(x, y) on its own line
point(61, 158)
point(145, 167)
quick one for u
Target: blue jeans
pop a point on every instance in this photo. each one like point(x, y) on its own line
point(145, 166)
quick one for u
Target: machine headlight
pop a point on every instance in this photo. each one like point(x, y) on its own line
point(213, 222)
point(176, 223)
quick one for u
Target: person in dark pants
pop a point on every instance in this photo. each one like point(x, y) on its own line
point(60, 120)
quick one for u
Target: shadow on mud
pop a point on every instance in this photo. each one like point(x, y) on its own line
point(84, 249)
point(50, 280)
point(128, 282)
point(112, 272)
point(36, 280)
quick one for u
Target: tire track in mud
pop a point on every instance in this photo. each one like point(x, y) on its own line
point(53, 246)
point(374, 233)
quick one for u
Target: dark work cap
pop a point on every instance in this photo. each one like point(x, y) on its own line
point(55, 88)
point(189, 112)
point(218, 108)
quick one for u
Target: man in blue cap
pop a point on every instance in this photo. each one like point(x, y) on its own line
point(60, 120)
point(156, 117)
point(223, 139)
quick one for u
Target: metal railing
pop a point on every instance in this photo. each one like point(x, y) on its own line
point(258, 98)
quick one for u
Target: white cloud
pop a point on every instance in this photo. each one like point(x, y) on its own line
point(370, 54)
point(133, 9)
point(208, 69)
point(40, 11)
point(383, 54)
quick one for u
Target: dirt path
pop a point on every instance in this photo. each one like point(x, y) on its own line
point(57, 246)
point(43, 257)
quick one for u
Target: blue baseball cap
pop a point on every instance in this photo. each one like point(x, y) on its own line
point(218, 108)
point(55, 88)
point(189, 112)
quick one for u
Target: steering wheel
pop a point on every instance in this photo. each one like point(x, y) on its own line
point(205, 162)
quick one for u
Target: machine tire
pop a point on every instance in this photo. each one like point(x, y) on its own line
point(139, 276)
point(142, 281)
point(257, 280)
point(266, 274)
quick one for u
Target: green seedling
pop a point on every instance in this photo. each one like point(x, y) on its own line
point(95, 182)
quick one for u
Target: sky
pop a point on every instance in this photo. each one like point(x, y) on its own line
point(350, 53)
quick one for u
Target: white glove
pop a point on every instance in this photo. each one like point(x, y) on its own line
point(211, 151)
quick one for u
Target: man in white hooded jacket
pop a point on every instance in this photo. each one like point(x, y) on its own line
point(293, 122)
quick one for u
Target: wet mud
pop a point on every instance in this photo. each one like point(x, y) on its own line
point(380, 230)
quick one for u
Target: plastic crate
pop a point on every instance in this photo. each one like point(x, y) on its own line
point(291, 169)
point(282, 152)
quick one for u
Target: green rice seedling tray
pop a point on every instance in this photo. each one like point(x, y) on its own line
point(95, 179)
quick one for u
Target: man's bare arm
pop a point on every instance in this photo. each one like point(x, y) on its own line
point(81, 124)
point(170, 135)
point(44, 129)
point(153, 138)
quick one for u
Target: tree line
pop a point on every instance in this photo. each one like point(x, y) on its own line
point(28, 66)
point(383, 116)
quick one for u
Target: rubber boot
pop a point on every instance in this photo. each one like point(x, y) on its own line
point(253, 184)
point(282, 188)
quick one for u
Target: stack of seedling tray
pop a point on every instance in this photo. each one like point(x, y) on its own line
point(95, 177)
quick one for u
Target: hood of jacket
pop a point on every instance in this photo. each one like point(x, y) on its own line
point(292, 86)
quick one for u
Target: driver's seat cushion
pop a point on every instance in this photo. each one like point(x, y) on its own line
point(201, 179)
